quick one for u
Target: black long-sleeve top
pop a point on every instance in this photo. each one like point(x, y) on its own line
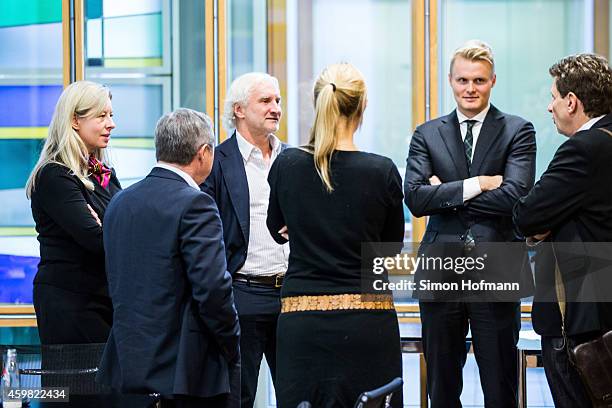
point(326, 230)
point(71, 248)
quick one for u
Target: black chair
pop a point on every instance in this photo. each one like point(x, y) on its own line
point(380, 397)
point(71, 366)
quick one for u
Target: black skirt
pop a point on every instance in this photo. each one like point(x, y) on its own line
point(330, 357)
point(67, 317)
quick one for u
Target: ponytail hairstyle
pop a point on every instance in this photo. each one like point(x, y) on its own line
point(63, 144)
point(339, 91)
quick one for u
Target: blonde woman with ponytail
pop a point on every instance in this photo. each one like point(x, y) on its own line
point(328, 198)
point(70, 187)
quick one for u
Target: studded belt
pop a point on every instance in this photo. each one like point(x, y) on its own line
point(337, 302)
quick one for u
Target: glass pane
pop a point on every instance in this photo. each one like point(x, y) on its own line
point(18, 158)
point(114, 8)
point(132, 163)
point(19, 12)
point(246, 44)
point(133, 37)
point(527, 37)
point(30, 83)
point(192, 64)
point(379, 46)
point(25, 107)
point(129, 48)
point(136, 122)
point(124, 34)
point(16, 274)
point(28, 47)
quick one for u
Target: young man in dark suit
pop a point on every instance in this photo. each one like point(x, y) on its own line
point(239, 185)
point(466, 171)
point(175, 328)
point(571, 205)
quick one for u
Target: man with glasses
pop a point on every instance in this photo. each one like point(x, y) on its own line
point(175, 329)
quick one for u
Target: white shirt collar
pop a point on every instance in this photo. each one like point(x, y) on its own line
point(246, 148)
point(180, 172)
point(478, 118)
point(590, 123)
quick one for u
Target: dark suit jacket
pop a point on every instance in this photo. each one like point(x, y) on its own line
point(71, 250)
point(228, 185)
point(175, 328)
point(506, 146)
point(573, 199)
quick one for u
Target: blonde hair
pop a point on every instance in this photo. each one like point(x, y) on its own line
point(339, 91)
point(474, 50)
point(63, 145)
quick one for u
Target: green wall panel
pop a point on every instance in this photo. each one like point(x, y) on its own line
point(27, 12)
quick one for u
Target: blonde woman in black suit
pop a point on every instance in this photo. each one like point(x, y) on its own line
point(70, 187)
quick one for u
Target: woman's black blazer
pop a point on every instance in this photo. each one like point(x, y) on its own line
point(71, 248)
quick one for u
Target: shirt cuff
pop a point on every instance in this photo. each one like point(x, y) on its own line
point(471, 188)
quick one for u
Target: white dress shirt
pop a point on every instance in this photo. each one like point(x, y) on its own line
point(180, 172)
point(264, 255)
point(589, 124)
point(471, 186)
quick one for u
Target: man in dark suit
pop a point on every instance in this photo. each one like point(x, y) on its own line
point(466, 170)
point(239, 185)
point(175, 328)
point(571, 205)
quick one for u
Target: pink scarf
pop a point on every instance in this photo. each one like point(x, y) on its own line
point(100, 172)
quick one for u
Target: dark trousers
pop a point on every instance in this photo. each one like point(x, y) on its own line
point(258, 310)
point(257, 338)
point(495, 329)
point(565, 384)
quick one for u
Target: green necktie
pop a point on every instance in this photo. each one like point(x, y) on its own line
point(468, 142)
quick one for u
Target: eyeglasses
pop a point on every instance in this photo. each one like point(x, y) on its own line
point(211, 145)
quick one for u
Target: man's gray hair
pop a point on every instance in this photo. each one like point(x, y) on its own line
point(180, 134)
point(239, 92)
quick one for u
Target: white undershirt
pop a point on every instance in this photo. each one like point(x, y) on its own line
point(180, 172)
point(590, 123)
point(264, 255)
point(471, 186)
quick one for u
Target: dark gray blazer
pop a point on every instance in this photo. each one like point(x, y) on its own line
point(506, 146)
point(573, 199)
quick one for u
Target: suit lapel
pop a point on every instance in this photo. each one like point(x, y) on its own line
point(235, 179)
point(489, 133)
point(451, 135)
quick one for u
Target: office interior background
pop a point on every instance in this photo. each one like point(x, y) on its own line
point(157, 55)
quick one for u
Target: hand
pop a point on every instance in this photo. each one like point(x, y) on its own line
point(537, 239)
point(434, 180)
point(284, 232)
point(94, 214)
point(488, 183)
point(542, 236)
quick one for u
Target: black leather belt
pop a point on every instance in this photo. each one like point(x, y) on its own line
point(273, 281)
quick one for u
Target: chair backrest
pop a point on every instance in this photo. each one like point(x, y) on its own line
point(61, 365)
point(380, 397)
